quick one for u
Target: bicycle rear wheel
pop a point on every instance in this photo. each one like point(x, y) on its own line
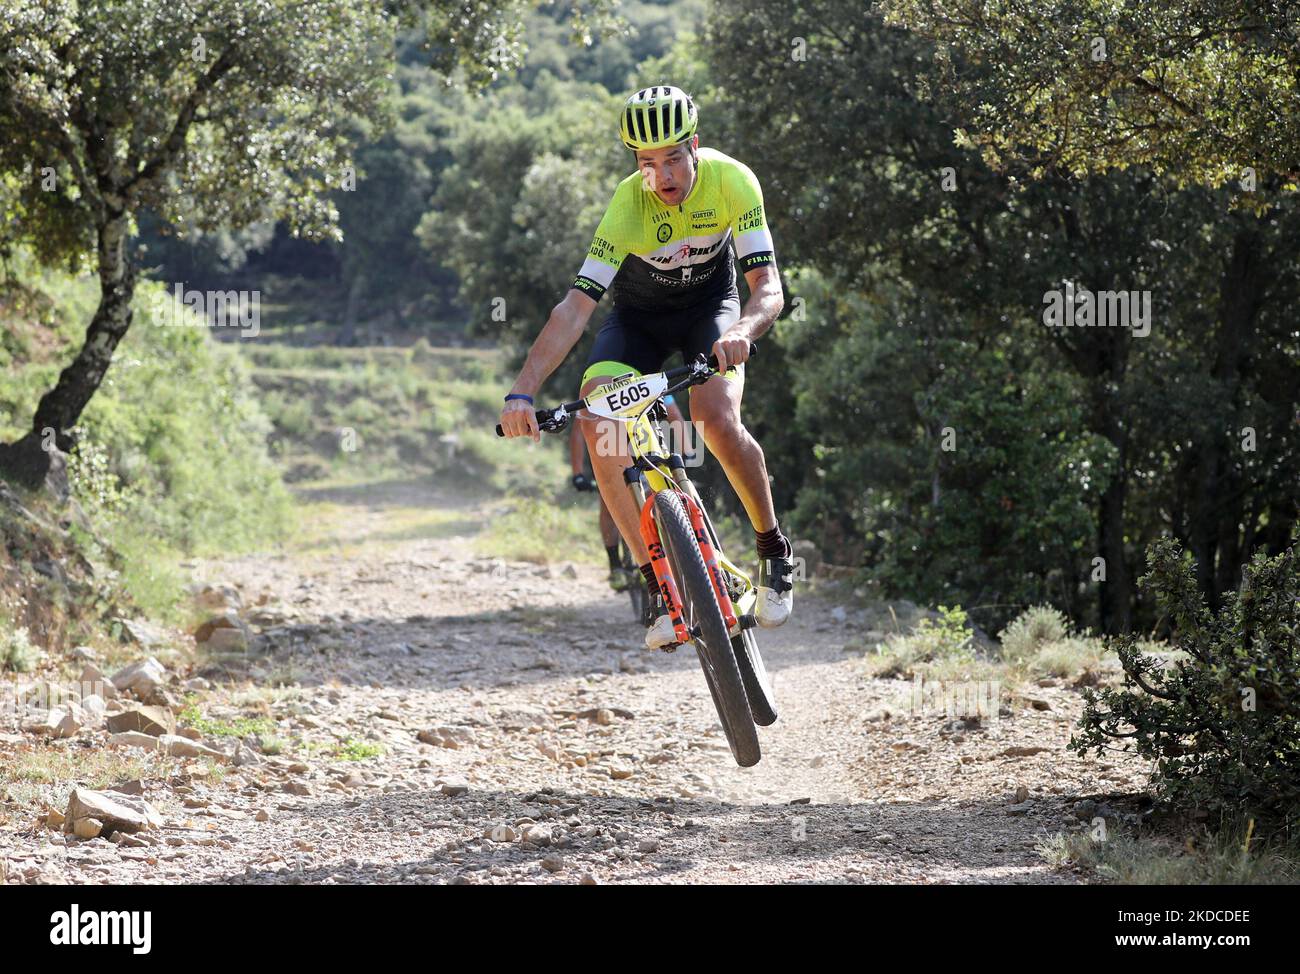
point(713, 644)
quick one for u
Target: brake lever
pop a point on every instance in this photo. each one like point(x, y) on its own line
point(556, 421)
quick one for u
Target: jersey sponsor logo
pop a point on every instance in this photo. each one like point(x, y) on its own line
point(664, 232)
point(588, 286)
point(757, 260)
point(601, 249)
point(661, 216)
point(751, 219)
point(685, 252)
point(704, 215)
point(686, 280)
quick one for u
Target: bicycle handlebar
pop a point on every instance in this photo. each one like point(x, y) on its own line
point(547, 423)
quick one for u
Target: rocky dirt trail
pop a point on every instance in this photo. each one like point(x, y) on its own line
point(447, 718)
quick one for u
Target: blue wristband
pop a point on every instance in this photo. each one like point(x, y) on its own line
point(520, 395)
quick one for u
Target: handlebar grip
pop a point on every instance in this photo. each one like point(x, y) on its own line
point(713, 359)
point(542, 416)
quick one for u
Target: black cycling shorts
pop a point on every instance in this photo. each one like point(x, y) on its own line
point(644, 341)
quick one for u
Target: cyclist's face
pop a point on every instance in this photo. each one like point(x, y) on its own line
point(669, 172)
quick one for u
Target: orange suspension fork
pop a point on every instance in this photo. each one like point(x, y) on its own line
point(663, 574)
point(710, 560)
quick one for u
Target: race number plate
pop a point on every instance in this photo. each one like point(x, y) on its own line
point(627, 396)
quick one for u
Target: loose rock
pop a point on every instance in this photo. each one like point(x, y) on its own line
point(117, 812)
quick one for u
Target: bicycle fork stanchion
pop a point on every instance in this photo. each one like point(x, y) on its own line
point(735, 623)
point(710, 559)
point(644, 500)
point(663, 574)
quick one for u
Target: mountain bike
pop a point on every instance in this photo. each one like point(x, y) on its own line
point(709, 599)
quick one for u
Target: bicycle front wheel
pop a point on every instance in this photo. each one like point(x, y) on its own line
point(758, 686)
point(713, 644)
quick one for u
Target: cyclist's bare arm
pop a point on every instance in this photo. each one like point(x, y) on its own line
point(565, 326)
point(765, 303)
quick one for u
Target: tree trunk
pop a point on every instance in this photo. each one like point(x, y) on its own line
point(1217, 523)
point(1115, 598)
point(29, 460)
point(348, 334)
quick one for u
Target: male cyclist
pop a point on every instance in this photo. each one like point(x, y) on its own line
point(618, 580)
point(665, 246)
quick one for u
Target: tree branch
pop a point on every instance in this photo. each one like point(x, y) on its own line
point(171, 148)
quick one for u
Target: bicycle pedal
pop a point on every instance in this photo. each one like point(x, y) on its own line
point(746, 621)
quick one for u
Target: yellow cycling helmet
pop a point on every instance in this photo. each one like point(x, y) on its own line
point(657, 117)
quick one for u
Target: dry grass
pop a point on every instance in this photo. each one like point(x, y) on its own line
point(1231, 858)
point(35, 778)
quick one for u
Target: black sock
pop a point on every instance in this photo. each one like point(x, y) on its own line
point(612, 551)
point(648, 573)
point(772, 544)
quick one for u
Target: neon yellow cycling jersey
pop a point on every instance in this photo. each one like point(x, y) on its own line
point(662, 257)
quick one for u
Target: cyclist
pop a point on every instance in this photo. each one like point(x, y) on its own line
point(582, 481)
point(665, 247)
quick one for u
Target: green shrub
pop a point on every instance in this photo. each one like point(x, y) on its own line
point(1221, 721)
point(1030, 631)
point(1066, 657)
point(17, 654)
point(181, 425)
point(946, 640)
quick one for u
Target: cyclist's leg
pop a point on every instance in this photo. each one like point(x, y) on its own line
point(608, 529)
point(715, 409)
point(715, 412)
point(620, 347)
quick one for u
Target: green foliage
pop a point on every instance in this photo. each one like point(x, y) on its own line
point(177, 424)
point(531, 173)
point(191, 716)
point(1199, 90)
point(947, 635)
point(951, 466)
point(1068, 657)
point(405, 412)
point(1070, 443)
point(615, 59)
point(1221, 721)
point(945, 641)
point(251, 87)
point(354, 750)
point(172, 458)
point(1030, 631)
point(17, 654)
point(539, 530)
